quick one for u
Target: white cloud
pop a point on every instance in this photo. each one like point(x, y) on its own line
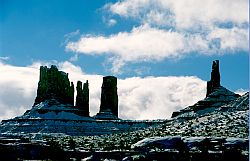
point(139, 98)
point(143, 43)
point(112, 22)
point(18, 88)
point(230, 39)
point(157, 97)
point(74, 58)
point(170, 29)
point(184, 14)
point(71, 35)
point(241, 91)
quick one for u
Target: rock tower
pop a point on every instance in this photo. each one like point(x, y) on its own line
point(215, 78)
point(54, 88)
point(82, 97)
point(216, 96)
point(54, 84)
point(109, 99)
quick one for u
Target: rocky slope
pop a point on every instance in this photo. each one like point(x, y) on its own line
point(50, 117)
point(216, 97)
point(225, 122)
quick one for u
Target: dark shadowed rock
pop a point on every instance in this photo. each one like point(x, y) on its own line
point(82, 97)
point(168, 142)
point(216, 97)
point(241, 103)
point(215, 78)
point(54, 84)
point(109, 99)
point(71, 94)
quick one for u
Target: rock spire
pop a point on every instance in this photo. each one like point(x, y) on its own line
point(215, 78)
point(216, 97)
point(82, 97)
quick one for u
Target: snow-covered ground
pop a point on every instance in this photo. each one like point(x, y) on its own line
point(51, 117)
point(229, 121)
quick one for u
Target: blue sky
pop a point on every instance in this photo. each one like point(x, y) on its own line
point(129, 38)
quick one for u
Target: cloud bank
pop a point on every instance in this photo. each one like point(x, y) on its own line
point(141, 44)
point(169, 30)
point(139, 98)
point(182, 14)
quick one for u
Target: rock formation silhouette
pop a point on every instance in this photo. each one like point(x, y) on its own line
point(82, 97)
point(54, 84)
point(216, 96)
point(109, 99)
point(54, 111)
point(215, 78)
point(55, 88)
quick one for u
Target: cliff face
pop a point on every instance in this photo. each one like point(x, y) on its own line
point(54, 84)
